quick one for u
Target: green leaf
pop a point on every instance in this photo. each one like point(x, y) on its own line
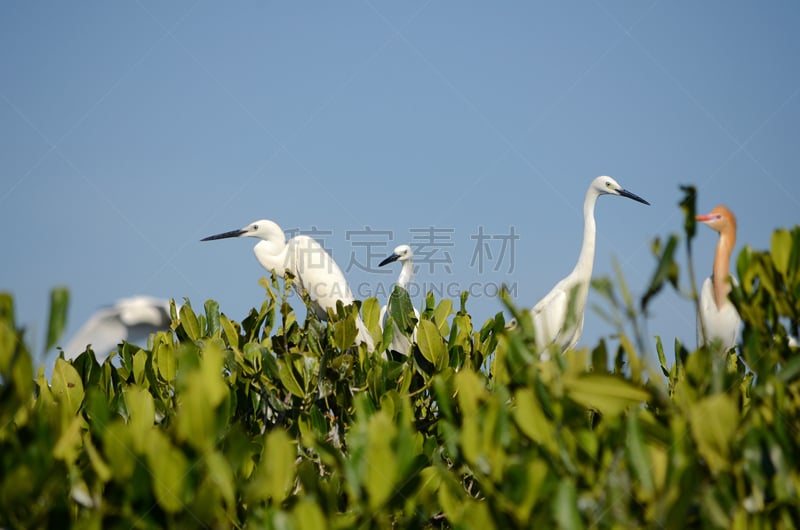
point(666, 271)
point(380, 459)
point(370, 311)
point(565, 505)
point(212, 318)
point(401, 310)
point(532, 421)
point(713, 421)
point(142, 412)
point(68, 446)
point(118, 449)
point(166, 362)
point(443, 310)
point(230, 331)
point(608, 394)
point(140, 367)
point(169, 468)
point(688, 205)
point(345, 332)
point(430, 342)
point(189, 321)
point(308, 516)
point(59, 301)
point(219, 470)
point(289, 378)
point(638, 456)
point(276, 471)
point(781, 251)
point(67, 387)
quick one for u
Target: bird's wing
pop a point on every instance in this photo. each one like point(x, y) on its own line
point(549, 316)
point(144, 310)
point(318, 274)
point(103, 331)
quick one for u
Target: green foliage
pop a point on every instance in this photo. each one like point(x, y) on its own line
point(273, 422)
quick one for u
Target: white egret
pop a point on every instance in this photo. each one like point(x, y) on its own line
point(129, 319)
point(558, 317)
point(308, 262)
point(403, 253)
point(719, 318)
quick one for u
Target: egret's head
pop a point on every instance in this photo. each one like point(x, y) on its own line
point(608, 186)
point(263, 229)
point(400, 253)
point(719, 218)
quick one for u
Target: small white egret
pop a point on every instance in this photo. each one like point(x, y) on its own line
point(403, 253)
point(719, 318)
point(129, 319)
point(558, 318)
point(308, 262)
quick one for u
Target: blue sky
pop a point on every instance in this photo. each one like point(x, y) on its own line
point(132, 130)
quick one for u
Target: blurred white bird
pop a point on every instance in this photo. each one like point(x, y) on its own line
point(308, 262)
point(403, 253)
point(558, 317)
point(719, 318)
point(129, 319)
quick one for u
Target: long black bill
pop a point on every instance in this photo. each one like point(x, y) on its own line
point(225, 235)
point(390, 259)
point(626, 193)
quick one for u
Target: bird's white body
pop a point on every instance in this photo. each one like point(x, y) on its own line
point(400, 342)
point(313, 269)
point(718, 317)
point(129, 319)
point(721, 323)
point(558, 317)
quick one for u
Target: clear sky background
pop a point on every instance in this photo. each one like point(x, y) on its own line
point(129, 131)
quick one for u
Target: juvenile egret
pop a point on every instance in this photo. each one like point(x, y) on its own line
point(719, 318)
point(403, 253)
point(308, 262)
point(129, 319)
point(558, 317)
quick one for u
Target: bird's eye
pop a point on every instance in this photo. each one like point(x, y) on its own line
point(608, 184)
point(255, 227)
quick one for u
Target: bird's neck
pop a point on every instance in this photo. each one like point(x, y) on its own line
point(722, 258)
point(406, 273)
point(273, 256)
point(586, 257)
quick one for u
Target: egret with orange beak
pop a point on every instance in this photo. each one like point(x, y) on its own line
point(718, 317)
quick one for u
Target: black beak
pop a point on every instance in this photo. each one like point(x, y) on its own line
point(225, 235)
point(626, 193)
point(390, 259)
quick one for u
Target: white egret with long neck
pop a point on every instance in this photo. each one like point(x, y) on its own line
point(720, 320)
point(308, 262)
point(403, 253)
point(558, 317)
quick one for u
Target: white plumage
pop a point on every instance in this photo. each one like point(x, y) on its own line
point(555, 322)
point(129, 319)
point(312, 267)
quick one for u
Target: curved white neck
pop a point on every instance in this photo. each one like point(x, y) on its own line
point(406, 274)
point(586, 257)
point(273, 256)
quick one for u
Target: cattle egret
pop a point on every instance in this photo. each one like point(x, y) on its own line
point(308, 262)
point(129, 319)
point(558, 317)
point(719, 318)
point(403, 253)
